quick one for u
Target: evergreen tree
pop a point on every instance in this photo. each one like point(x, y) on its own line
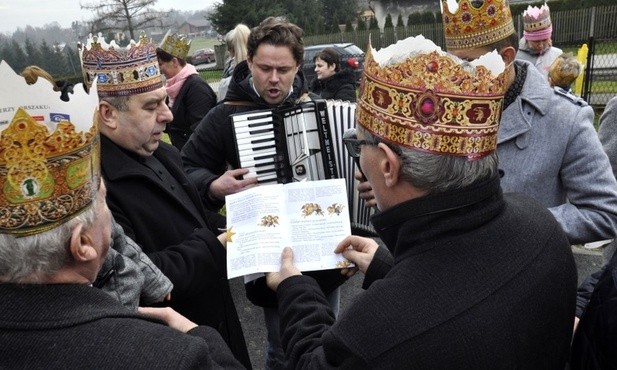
point(373, 25)
point(388, 21)
point(399, 21)
point(32, 52)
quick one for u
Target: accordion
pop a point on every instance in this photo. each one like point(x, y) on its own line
point(303, 142)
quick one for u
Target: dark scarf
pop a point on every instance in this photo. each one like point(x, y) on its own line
point(520, 74)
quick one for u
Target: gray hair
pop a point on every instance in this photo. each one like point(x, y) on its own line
point(435, 173)
point(121, 103)
point(43, 254)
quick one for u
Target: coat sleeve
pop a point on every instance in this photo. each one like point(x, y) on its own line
point(204, 155)
point(608, 132)
point(198, 261)
point(306, 321)
point(217, 348)
point(378, 268)
point(590, 214)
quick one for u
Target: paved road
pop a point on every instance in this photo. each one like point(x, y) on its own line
point(251, 317)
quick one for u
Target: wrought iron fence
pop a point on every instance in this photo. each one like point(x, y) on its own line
point(572, 29)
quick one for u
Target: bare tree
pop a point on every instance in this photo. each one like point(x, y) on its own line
point(124, 15)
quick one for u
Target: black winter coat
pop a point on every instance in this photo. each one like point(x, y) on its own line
point(212, 147)
point(471, 280)
point(193, 102)
point(178, 241)
point(595, 342)
point(339, 86)
point(75, 326)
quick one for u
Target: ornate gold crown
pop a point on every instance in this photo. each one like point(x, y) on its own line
point(432, 101)
point(49, 154)
point(121, 71)
point(176, 45)
point(469, 26)
point(536, 19)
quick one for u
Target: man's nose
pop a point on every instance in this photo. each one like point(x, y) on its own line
point(164, 114)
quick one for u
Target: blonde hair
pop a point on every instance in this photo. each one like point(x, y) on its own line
point(564, 70)
point(237, 40)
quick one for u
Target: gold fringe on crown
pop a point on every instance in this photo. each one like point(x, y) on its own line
point(176, 45)
point(470, 27)
point(121, 71)
point(432, 103)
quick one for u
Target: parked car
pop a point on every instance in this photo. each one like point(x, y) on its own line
point(352, 57)
point(202, 56)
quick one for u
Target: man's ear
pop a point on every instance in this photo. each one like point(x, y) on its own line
point(81, 245)
point(390, 165)
point(508, 54)
point(107, 115)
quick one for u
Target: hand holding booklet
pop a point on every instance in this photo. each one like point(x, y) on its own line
point(312, 217)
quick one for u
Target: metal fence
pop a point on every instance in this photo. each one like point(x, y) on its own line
point(594, 27)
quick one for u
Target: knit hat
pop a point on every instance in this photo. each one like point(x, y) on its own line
point(537, 24)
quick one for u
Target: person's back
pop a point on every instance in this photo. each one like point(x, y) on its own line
point(82, 327)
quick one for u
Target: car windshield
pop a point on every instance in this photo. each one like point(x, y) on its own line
point(353, 49)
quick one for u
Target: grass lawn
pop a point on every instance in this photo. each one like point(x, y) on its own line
point(203, 42)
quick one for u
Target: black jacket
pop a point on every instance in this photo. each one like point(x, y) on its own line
point(471, 280)
point(339, 86)
point(193, 102)
point(211, 148)
point(179, 242)
point(75, 326)
point(595, 342)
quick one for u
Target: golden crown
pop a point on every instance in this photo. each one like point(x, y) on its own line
point(431, 101)
point(535, 19)
point(475, 23)
point(121, 71)
point(176, 45)
point(49, 154)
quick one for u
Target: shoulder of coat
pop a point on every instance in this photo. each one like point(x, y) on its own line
point(569, 96)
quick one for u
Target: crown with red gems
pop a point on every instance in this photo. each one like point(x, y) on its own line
point(470, 24)
point(121, 71)
point(176, 45)
point(49, 154)
point(428, 100)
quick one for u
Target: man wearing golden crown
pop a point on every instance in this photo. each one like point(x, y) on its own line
point(190, 97)
point(55, 232)
point(536, 45)
point(148, 192)
point(468, 273)
point(548, 147)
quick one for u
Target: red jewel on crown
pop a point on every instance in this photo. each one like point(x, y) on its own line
point(432, 66)
point(427, 107)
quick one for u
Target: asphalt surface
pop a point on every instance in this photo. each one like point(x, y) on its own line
point(251, 317)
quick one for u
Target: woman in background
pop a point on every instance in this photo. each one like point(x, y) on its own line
point(236, 41)
point(331, 82)
point(190, 96)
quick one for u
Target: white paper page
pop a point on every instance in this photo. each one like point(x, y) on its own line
point(315, 221)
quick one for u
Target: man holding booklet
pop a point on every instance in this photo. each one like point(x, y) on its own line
point(460, 285)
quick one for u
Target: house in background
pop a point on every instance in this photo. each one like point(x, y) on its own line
point(196, 27)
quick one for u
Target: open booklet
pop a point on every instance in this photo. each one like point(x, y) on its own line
point(309, 216)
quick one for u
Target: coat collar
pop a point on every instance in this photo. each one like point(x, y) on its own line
point(437, 215)
point(535, 98)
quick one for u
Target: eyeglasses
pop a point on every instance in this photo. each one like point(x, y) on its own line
point(353, 146)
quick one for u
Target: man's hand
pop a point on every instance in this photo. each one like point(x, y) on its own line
point(273, 279)
point(361, 252)
point(365, 190)
point(228, 183)
point(172, 318)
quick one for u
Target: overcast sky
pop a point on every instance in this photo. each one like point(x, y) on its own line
point(37, 13)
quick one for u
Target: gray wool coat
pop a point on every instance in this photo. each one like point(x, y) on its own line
point(549, 150)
